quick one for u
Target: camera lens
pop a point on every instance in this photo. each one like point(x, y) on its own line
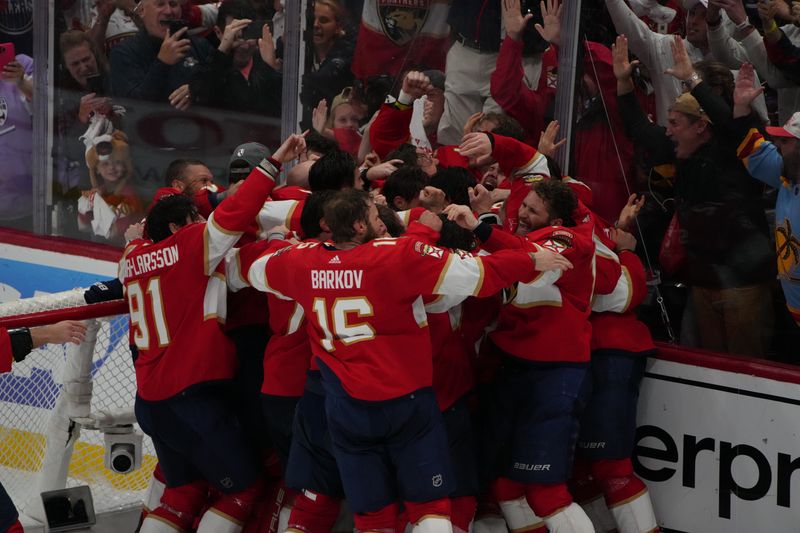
point(122, 458)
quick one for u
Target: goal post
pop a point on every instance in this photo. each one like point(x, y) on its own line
point(61, 401)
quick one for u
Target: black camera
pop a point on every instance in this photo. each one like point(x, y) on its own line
point(174, 25)
point(95, 84)
point(255, 29)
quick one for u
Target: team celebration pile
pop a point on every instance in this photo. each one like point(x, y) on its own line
point(406, 314)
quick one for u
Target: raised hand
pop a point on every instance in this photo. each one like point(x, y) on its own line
point(266, 47)
point(480, 199)
point(472, 122)
point(745, 90)
point(682, 67)
point(174, 48)
point(623, 67)
point(232, 35)
point(513, 20)
point(319, 116)
point(432, 198)
point(431, 220)
point(13, 72)
point(630, 211)
point(476, 147)
point(547, 140)
point(549, 260)
point(551, 17)
point(415, 84)
point(383, 170)
point(291, 148)
point(461, 215)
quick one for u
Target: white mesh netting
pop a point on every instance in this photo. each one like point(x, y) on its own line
point(29, 394)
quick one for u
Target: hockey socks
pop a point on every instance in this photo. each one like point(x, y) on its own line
point(626, 495)
point(382, 521)
point(314, 513)
point(589, 495)
point(515, 508)
point(430, 517)
point(229, 512)
point(462, 511)
point(155, 490)
point(554, 504)
point(488, 516)
point(178, 508)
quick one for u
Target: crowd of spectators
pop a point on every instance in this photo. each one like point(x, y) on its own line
point(706, 226)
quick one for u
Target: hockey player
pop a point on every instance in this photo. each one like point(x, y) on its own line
point(176, 292)
point(620, 347)
point(543, 334)
point(374, 352)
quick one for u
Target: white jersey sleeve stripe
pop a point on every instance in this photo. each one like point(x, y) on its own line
point(460, 275)
point(257, 275)
point(620, 298)
point(216, 243)
point(215, 300)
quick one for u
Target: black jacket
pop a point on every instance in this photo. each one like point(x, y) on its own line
point(219, 84)
point(719, 206)
point(137, 73)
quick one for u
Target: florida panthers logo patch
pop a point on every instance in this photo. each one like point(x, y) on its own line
point(402, 20)
point(559, 241)
point(427, 250)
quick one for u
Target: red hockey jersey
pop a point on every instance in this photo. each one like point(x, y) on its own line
point(365, 307)
point(548, 318)
point(176, 294)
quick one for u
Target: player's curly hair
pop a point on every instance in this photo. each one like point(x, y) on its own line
point(561, 202)
point(172, 209)
point(345, 209)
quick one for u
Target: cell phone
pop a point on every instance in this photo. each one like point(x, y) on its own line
point(7, 54)
point(254, 30)
point(95, 84)
point(174, 25)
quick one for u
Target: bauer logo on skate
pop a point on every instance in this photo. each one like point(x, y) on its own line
point(336, 279)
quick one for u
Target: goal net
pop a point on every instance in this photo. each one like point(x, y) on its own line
point(30, 410)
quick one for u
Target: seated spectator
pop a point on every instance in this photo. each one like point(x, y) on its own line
point(16, 134)
point(329, 56)
point(155, 65)
point(241, 74)
point(111, 205)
